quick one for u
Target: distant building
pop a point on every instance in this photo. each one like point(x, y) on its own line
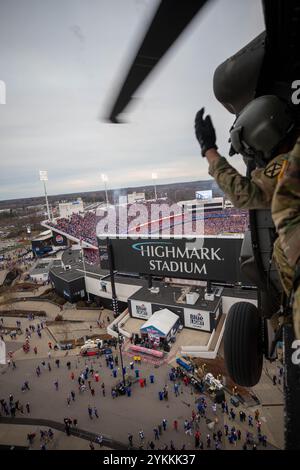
point(66, 209)
point(135, 197)
point(228, 204)
point(213, 204)
point(204, 194)
point(35, 207)
point(40, 272)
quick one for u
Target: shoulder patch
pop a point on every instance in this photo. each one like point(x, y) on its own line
point(273, 170)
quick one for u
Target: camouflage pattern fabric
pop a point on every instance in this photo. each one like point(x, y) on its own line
point(258, 192)
point(296, 313)
point(248, 193)
point(286, 217)
point(286, 273)
point(286, 207)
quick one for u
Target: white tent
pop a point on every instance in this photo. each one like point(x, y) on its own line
point(161, 321)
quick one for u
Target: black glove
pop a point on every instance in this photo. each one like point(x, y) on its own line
point(205, 132)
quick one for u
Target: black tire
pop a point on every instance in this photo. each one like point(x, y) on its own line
point(243, 349)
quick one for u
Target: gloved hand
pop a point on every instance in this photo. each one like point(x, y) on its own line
point(205, 132)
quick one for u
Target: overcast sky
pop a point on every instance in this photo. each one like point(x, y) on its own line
point(61, 60)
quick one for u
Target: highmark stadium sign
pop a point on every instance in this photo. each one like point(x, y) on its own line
point(162, 258)
point(207, 258)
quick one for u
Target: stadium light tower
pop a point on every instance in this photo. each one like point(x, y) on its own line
point(115, 303)
point(83, 262)
point(154, 178)
point(44, 178)
point(105, 179)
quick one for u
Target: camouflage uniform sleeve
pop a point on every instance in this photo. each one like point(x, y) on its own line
point(243, 192)
point(286, 207)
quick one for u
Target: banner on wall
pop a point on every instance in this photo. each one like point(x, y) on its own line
point(141, 309)
point(197, 319)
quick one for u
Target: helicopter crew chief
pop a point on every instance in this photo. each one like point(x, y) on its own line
point(264, 132)
point(286, 216)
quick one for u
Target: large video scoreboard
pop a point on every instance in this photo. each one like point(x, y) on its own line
point(214, 259)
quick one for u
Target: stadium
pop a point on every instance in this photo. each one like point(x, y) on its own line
point(171, 315)
point(180, 219)
point(196, 284)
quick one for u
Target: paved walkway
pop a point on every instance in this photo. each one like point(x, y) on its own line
point(117, 417)
point(143, 410)
point(272, 400)
point(86, 318)
point(46, 424)
point(53, 310)
point(15, 435)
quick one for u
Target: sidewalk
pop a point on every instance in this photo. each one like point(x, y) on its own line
point(64, 330)
point(53, 310)
point(16, 434)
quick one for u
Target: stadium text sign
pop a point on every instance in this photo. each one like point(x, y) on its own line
point(173, 259)
point(216, 259)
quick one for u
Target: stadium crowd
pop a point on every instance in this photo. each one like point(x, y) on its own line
point(78, 226)
point(140, 220)
point(15, 258)
point(91, 256)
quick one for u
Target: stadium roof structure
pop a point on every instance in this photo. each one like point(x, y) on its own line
point(45, 235)
point(168, 295)
point(64, 233)
point(41, 267)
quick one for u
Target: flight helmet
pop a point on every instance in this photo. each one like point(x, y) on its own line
point(260, 128)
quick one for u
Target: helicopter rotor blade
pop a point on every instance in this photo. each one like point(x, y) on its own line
point(169, 21)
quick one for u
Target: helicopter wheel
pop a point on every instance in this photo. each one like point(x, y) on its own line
point(243, 345)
